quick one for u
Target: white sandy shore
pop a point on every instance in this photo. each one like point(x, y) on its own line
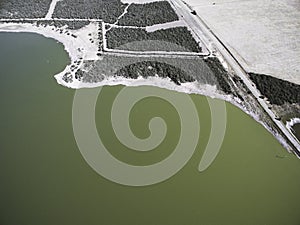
point(69, 43)
point(86, 52)
point(188, 88)
point(79, 48)
point(166, 83)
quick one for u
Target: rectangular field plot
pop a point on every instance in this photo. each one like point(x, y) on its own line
point(135, 39)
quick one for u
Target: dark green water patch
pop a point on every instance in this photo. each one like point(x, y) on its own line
point(296, 130)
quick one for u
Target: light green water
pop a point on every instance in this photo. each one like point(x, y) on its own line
point(45, 180)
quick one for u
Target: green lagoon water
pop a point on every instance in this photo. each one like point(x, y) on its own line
point(296, 129)
point(45, 180)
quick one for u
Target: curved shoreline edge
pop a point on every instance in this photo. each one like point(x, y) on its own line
point(76, 53)
point(289, 124)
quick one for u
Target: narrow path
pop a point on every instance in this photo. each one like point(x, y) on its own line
point(161, 26)
point(51, 9)
point(125, 11)
point(152, 28)
point(155, 53)
point(115, 23)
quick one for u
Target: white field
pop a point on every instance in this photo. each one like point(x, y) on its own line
point(262, 34)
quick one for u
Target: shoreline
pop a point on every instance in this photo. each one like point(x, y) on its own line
point(292, 122)
point(74, 41)
point(47, 32)
point(80, 54)
point(289, 125)
point(187, 88)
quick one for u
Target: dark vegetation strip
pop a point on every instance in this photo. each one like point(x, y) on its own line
point(109, 65)
point(107, 10)
point(72, 25)
point(144, 69)
point(14, 9)
point(148, 14)
point(220, 73)
point(180, 36)
point(100, 38)
point(178, 70)
point(151, 68)
point(276, 90)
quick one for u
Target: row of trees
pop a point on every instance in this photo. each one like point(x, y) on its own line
point(148, 14)
point(180, 36)
point(220, 73)
point(72, 25)
point(276, 90)
point(97, 72)
point(153, 68)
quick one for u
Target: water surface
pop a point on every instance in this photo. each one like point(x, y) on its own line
point(45, 180)
point(296, 130)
